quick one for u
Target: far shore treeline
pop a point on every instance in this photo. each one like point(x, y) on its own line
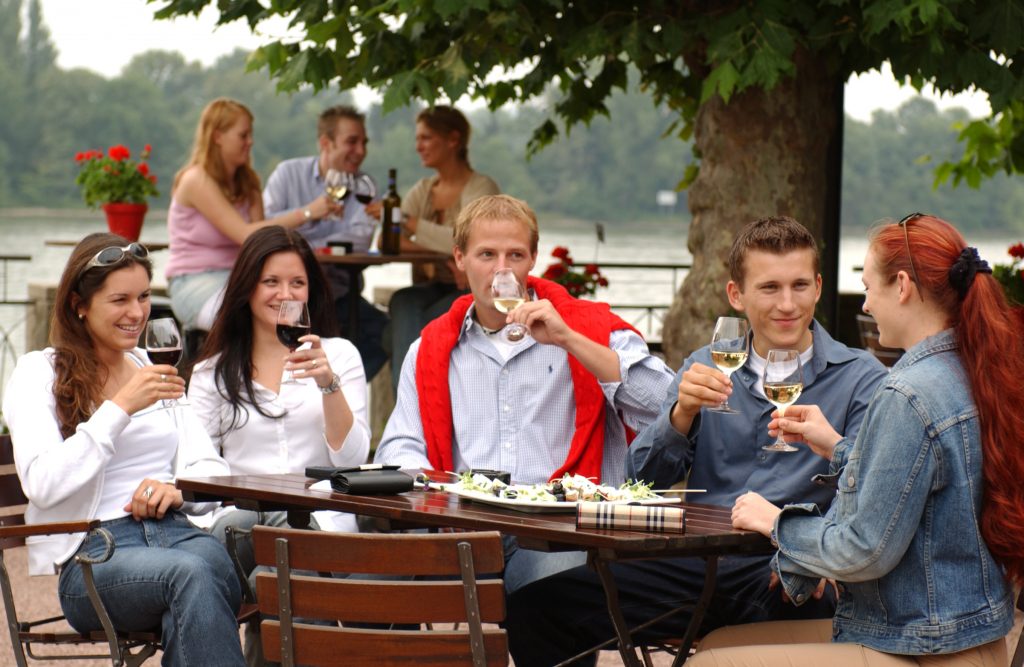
point(610, 172)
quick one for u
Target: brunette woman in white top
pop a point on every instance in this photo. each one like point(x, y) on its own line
point(260, 424)
point(91, 441)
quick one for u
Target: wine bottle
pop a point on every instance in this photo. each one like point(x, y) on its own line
point(391, 218)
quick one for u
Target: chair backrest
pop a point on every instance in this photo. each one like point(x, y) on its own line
point(868, 329)
point(391, 595)
point(12, 499)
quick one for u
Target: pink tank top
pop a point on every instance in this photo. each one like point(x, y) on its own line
point(196, 245)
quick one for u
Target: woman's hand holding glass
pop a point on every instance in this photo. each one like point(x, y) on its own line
point(148, 385)
point(807, 424)
point(310, 362)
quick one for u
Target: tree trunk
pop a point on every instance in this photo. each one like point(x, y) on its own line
point(764, 153)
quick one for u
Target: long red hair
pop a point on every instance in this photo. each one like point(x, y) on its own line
point(992, 351)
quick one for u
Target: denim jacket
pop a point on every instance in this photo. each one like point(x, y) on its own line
point(903, 535)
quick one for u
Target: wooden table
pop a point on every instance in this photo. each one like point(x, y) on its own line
point(355, 262)
point(709, 530)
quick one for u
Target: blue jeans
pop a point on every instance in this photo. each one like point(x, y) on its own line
point(164, 574)
point(191, 295)
point(525, 566)
point(412, 308)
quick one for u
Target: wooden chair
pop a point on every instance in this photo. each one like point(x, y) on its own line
point(456, 559)
point(868, 329)
point(122, 648)
point(129, 649)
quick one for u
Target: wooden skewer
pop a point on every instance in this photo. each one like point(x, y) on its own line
point(679, 490)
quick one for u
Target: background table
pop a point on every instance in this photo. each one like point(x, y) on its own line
point(355, 262)
point(709, 531)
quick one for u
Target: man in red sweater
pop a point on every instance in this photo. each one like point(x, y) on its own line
point(562, 399)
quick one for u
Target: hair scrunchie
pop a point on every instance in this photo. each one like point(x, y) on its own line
point(966, 266)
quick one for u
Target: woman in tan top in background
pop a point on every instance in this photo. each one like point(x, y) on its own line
point(429, 210)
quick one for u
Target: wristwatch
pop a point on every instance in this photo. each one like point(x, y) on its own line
point(334, 386)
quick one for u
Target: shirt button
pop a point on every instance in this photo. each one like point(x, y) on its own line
point(850, 481)
point(800, 597)
point(504, 371)
point(508, 445)
point(506, 408)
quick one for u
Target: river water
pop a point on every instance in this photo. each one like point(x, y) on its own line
point(651, 242)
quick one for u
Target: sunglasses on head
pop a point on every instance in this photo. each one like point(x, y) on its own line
point(114, 254)
point(904, 223)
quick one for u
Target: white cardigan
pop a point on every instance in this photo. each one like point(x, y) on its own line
point(64, 478)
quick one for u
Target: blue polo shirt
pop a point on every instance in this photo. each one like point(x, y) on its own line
point(722, 452)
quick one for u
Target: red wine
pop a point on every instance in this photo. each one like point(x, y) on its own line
point(165, 355)
point(363, 198)
point(289, 335)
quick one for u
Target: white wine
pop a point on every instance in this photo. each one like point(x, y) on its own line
point(728, 361)
point(508, 304)
point(783, 394)
point(337, 192)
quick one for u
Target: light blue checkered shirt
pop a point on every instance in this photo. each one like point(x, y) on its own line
point(295, 183)
point(518, 415)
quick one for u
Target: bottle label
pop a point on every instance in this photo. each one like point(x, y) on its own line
point(396, 216)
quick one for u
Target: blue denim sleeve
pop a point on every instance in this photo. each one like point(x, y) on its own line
point(883, 490)
point(660, 454)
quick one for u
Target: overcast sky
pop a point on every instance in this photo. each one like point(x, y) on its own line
point(103, 35)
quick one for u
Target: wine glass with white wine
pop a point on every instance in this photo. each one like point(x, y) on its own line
point(337, 184)
point(729, 347)
point(508, 295)
point(783, 382)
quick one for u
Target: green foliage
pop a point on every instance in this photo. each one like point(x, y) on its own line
point(685, 53)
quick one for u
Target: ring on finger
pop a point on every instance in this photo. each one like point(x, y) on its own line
point(163, 378)
point(314, 363)
point(148, 493)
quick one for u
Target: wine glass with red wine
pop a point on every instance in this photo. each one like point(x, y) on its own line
point(292, 324)
point(364, 189)
point(163, 345)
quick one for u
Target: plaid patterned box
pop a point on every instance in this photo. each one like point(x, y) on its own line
point(612, 516)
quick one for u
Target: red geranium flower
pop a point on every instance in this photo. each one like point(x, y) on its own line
point(114, 177)
point(1017, 250)
point(578, 282)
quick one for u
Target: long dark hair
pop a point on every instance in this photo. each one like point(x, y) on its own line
point(79, 375)
point(231, 335)
point(992, 351)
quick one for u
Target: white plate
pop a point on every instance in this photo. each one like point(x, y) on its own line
point(544, 505)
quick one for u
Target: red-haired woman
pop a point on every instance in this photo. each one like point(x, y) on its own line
point(215, 205)
point(927, 530)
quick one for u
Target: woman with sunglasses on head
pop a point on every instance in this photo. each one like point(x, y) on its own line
point(92, 442)
point(216, 203)
point(927, 532)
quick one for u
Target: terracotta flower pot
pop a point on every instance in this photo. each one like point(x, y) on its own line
point(125, 219)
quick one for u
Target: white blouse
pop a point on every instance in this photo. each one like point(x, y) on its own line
point(93, 473)
point(261, 445)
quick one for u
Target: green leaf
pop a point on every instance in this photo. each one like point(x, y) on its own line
point(399, 92)
point(722, 80)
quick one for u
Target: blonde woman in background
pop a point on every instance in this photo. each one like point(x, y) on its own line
point(216, 203)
